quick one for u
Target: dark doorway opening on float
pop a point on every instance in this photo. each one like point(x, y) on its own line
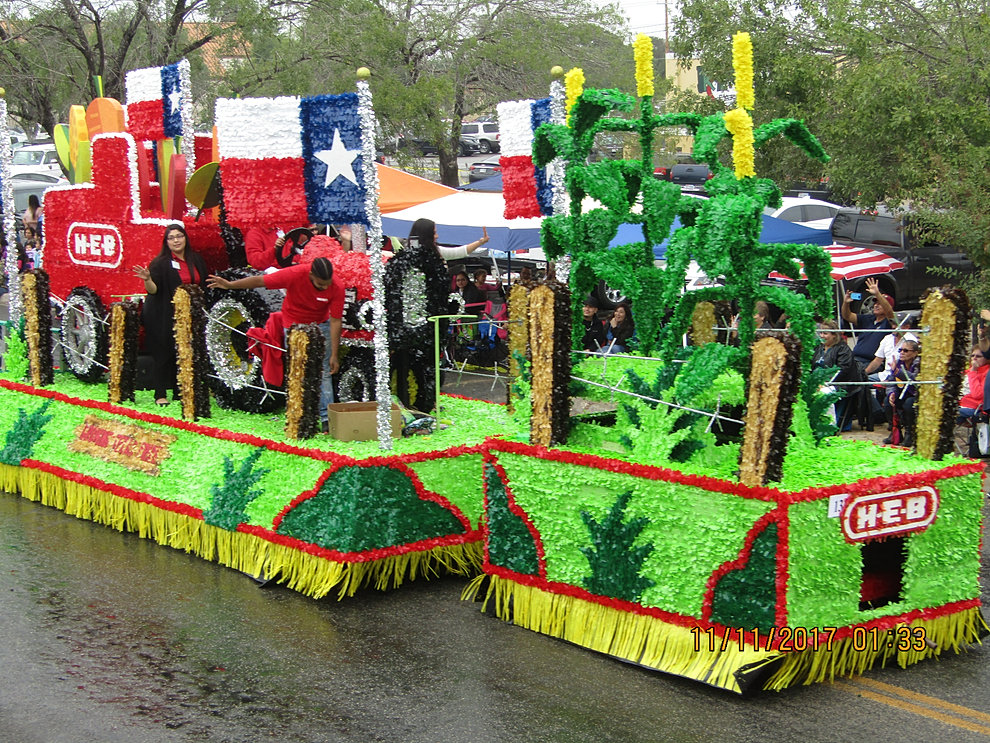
point(883, 572)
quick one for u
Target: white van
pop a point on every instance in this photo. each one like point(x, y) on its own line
point(36, 158)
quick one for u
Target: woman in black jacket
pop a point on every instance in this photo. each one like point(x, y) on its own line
point(835, 353)
point(619, 329)
point(176, 264)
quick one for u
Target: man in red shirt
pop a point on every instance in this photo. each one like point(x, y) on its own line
point(311, 296)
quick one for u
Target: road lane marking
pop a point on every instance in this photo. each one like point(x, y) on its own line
point(864, 688)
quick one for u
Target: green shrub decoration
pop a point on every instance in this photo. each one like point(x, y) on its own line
point(233, 494)
point(16, 356)
point(510, 543)
point(366, 508)
point(747, 597)
point(21, 438)
point(615, 563)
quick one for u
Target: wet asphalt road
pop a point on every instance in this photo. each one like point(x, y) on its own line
point(107, 638)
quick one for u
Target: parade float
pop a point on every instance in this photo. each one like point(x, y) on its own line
point(750, 552)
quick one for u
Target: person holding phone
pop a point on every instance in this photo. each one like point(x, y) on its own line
point(881, 318)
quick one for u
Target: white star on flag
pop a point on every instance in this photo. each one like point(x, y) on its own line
point(174, 98)
point(339, 160)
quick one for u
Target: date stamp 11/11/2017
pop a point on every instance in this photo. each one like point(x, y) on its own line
point(900, 637)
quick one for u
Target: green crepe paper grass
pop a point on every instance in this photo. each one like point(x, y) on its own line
point(941, 563)
point(472, 421)
point(457, 479)
point(553, 495)
point(187, 475)
point(366, 508)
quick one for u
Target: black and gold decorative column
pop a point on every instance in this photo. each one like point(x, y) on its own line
point(303, 378)
point(125, 325)
point(190, 341)
point(944, 356)
point(774, 379)
point(550, 348)
point(37, 326)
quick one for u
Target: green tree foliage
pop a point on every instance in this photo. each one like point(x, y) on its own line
point(614, 560)
point(235, 491)
point(433, 64)
point(52, 50)
point(896, 91)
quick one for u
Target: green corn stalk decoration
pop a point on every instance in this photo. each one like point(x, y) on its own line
point(615, 563)
point(233, 494)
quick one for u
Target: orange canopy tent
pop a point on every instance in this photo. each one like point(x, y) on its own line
point(400, 190)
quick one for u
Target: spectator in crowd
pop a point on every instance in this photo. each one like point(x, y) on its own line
point(880, 368)
point(881, 318)
point(619, 329)
point(594, 329)
point(976, 375)
point(834, 352)
point(761, 316)
point(481, 281)
point(32, 215)
point(899, 404)
point(474, 298)
point(176, 264)
point(312, 295)
point(424, 232)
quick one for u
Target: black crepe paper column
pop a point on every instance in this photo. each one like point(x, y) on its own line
point(38, 326)
point(303, 377)
point(125, 326)
point(190, 340)
point(775, 370)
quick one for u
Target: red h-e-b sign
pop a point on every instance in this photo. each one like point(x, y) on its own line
point(96, 245)
point(884, 514)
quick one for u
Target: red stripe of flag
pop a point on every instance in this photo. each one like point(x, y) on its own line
point(144, 120)
point(268, 191)
point(519, 181)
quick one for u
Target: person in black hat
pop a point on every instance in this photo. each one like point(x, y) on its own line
point(594, 329)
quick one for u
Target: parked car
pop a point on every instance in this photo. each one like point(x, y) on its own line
point(47, 178)
point(691, 177)
point(36, 158)
point(416, 145)
point(901, 237)
point(482, 133)
point(484, 169)
point(813, 213)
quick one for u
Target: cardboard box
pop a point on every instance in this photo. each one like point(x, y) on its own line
point(357, 421)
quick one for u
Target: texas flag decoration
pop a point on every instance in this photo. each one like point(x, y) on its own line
point(525, 188)
point(159, 101)
point(291, 161)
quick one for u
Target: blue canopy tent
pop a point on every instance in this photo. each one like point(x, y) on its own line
point(774, 231)
point(460, 216)
point(491, 183)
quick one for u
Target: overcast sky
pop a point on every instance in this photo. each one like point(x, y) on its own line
point(646, 16)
